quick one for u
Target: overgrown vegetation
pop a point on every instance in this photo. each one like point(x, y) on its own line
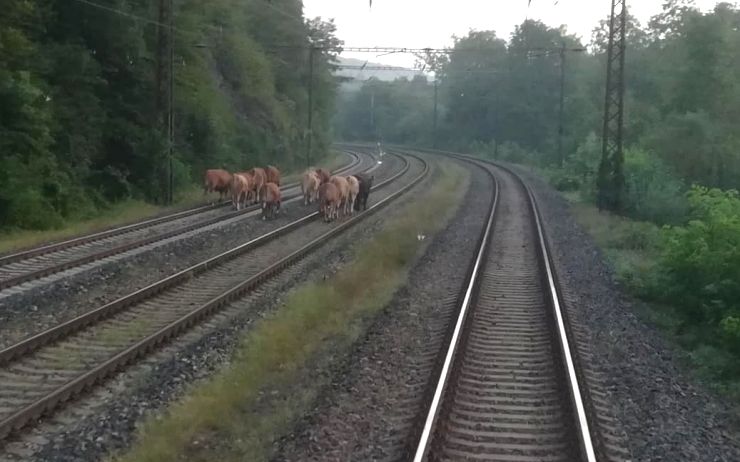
point(222, 419)
point(83, 99)
point(687, 274)
point(500, 98)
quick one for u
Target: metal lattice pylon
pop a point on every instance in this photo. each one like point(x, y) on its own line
point(611, 170)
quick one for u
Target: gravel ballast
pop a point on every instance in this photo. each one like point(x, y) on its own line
point(368, 411)
point(666, 414)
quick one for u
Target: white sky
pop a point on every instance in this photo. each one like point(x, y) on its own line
point(431, 23)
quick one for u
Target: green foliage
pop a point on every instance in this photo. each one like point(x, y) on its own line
point(699, 274)
point(397, 112)
point(83, 99)
point(653, 192)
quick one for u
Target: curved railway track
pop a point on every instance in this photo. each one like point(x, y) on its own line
point(40, 262)
point(506, 387)
point(42, 372)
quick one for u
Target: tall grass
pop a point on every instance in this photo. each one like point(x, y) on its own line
point(120, 213)
point(237, 414)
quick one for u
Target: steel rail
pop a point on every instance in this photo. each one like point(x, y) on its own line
point(74, 387)
point(561, 330)
point(563, 333)
point(473, 282)
point(66, 328)
point(53, 269)
point(87, 238)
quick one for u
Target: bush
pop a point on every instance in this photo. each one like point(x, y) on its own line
point(653, 192)
point(512, 152)
point(583, 165)
point(564, 180)
point(701, 264)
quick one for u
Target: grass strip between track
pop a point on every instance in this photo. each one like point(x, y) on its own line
point(226, 417)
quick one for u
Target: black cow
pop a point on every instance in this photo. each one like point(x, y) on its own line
point(366, 183)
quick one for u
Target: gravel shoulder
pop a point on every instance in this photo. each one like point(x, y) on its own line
point(666, 414)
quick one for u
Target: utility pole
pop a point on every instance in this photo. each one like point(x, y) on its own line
point(309, 133)
point(434, 124)
point(561, 159)
point(561, 118)
point(165, 90)
point(611, 170)
point(171, 109)
point(372, 108)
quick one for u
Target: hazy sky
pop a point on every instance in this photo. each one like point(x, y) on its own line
point(431, 23)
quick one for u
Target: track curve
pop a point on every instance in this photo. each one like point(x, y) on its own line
point(39, 374)
point(506, 387)
point(41, 262)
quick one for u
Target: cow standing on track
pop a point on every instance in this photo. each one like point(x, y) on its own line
point(310, 186)
point(259, 179)
point(239, 190)
point(217, 180)
point(366, 184)
point(329, 201)
point(271, 200)
point(250, 193)
point(343, 186)
point(273, 175)
point(354, 190)
point(323, 174)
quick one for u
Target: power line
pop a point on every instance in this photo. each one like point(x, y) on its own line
point(126, 14)
point(269, 4)
point(130, 15)
point(418, 71)
point(352, 49)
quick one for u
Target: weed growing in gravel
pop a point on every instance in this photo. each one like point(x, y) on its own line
point(238, 414)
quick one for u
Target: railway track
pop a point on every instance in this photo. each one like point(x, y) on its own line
point(41, 372)
point(33, 264)
point(506, 386)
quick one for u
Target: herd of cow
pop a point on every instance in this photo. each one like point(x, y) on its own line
point(257, 185)
point(336, 195)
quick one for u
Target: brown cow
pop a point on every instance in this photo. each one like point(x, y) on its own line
point(343, 186)
point(217, 180)
point(239, 190)
point(250, 193)
point(273, 175)
point(310, 186)
point(271, 200)
point(323, 174)
point(354, 190)
point(329, 201)
point(258, 180)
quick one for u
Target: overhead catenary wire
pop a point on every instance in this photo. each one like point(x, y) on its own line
point(270, 5)
point(350, 67)
point(351, 49)
point(154, 22)
point(126, 14)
